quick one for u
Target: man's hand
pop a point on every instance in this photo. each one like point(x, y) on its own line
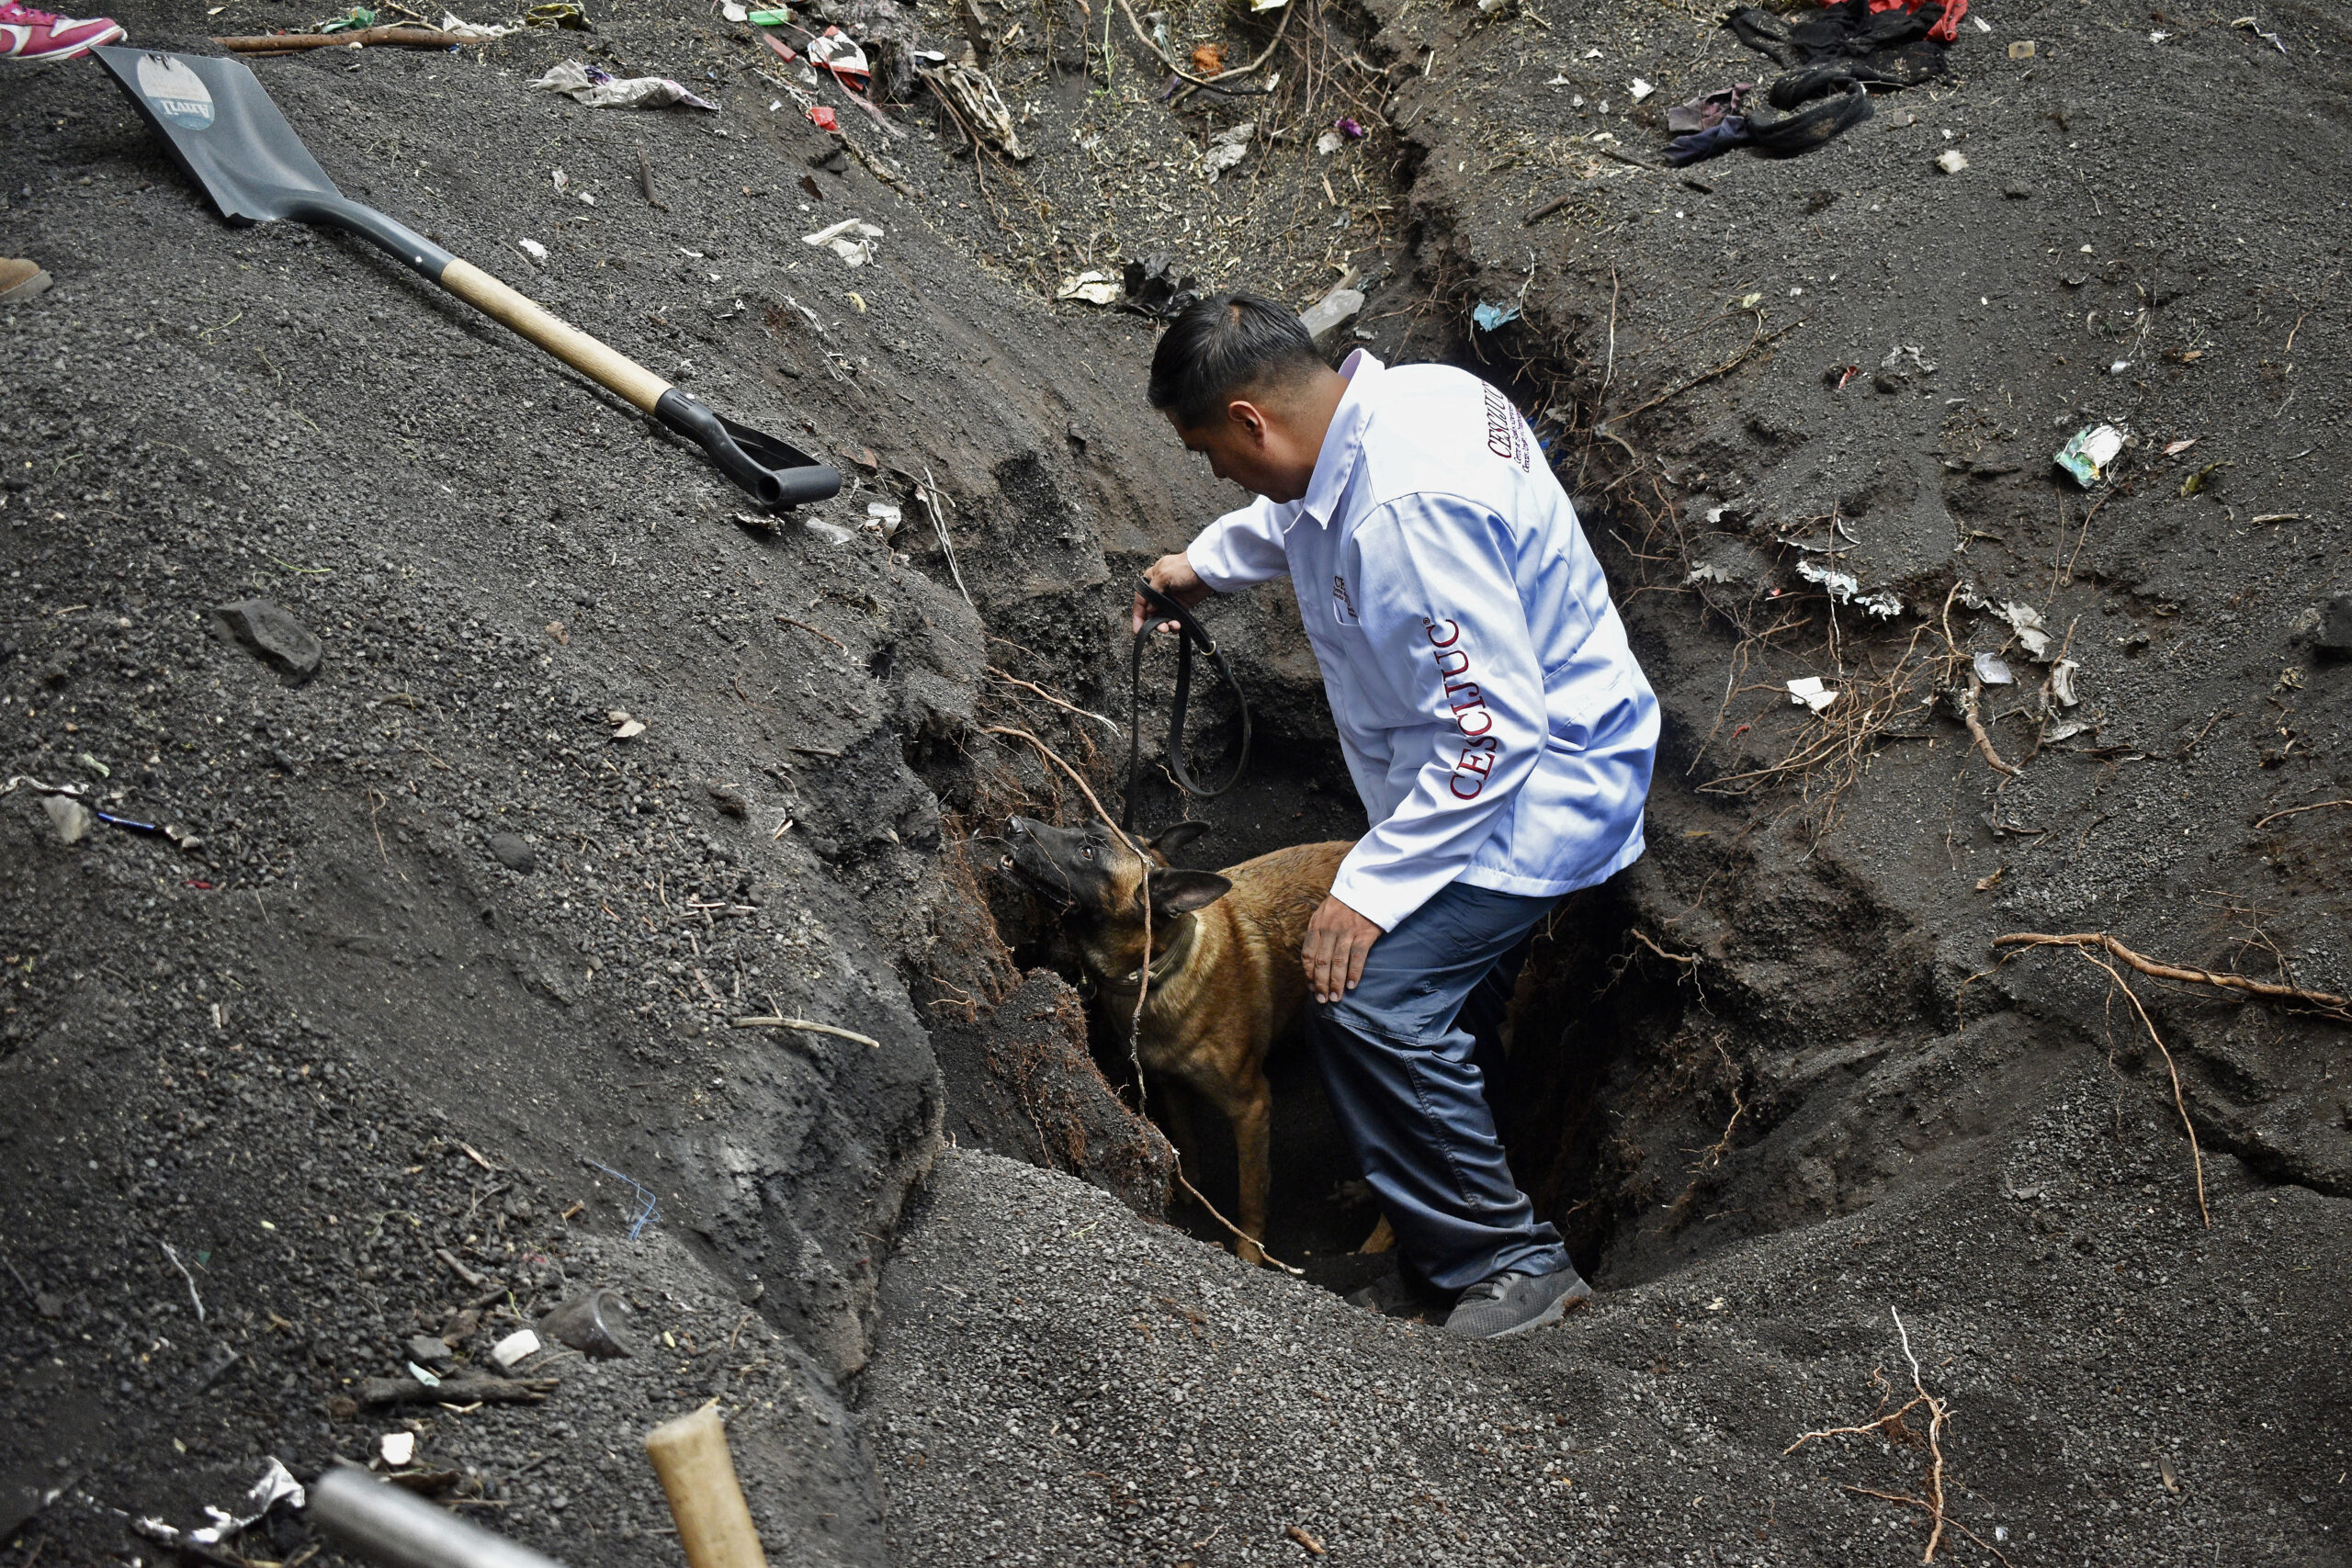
point(1172, 575)
point(1337, 939)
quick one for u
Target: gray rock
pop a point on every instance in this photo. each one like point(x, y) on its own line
point(513, 852)
point(2335, 624)
point(1331, 315)
point(273, 636)
point(429, 1351)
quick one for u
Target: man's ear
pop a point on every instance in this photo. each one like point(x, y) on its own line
point(1250, 417)
point(1180, 892)
point(1172, 842)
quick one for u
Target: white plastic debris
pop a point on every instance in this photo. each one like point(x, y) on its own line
point(519, 1345)
point(1331, 141)
point(398, 1448)
point(735, 12)
point(532, 249)
point(624, 726)
point(1844, 588)
point(1809, 692)
point(1641, 89)
point(71, 818)
point(1952, 160)
point(601, 90)
point(885, 515)
point(429, 1379)
point(2087, 454)
point(1992, 670)
point(2062, 683)
point(1094, 288)
point(2026, 621)
point(852, 239)
point(472, 32)
point(1227, 148)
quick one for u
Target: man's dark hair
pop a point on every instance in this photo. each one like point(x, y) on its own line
point(1227, 345)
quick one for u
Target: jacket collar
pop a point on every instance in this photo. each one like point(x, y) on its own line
point(1341, 443)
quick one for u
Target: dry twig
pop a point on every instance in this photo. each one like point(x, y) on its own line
point(805, 1027)
point(2297, 810)
point(1891, 1428)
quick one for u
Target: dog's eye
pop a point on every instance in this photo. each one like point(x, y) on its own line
point(1087, 853)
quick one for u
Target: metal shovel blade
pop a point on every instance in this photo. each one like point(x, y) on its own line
point(222, 129)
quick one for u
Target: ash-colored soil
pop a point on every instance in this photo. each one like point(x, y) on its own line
point(343, 1036)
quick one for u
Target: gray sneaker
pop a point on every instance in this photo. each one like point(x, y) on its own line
point(1506, 1304)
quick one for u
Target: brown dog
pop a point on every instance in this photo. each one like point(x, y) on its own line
point(1226, 980)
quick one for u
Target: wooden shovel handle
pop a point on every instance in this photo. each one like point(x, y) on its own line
point(566, 342)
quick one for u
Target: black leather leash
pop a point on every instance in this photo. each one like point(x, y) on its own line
point(1189, 631)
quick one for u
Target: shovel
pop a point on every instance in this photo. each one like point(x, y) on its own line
point(229, 139)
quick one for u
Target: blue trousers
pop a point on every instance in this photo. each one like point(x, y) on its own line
point(1406, 1058)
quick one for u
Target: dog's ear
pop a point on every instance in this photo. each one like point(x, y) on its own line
point(1172, 843)
point(1178, 892)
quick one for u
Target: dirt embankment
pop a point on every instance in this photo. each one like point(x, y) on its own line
point(346, 1035)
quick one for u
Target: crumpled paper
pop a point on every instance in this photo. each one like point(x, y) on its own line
point(1227, 148)
point(1094, 288)
point(277, 1484)
point(602, 90)
point(852, 239)
point(472, 32)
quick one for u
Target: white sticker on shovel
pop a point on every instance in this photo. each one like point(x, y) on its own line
point(178, 94)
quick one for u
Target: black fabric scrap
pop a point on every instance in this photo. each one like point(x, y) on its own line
point(1889, 49)
point(1155, 289)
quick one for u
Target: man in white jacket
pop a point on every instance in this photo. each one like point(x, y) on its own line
point(1495, 723)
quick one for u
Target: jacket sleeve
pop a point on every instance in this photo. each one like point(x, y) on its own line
point(1242, 547)
point(1447, 638)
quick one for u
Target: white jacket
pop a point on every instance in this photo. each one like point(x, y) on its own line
point(1493, 717)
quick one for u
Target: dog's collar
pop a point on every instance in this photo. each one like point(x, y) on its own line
point(1167, 963)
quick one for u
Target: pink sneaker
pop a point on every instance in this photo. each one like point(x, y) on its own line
point(27, 34)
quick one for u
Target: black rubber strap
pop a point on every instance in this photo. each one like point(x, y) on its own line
point(1188, 632)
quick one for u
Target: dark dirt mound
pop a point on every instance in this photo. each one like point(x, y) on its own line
point(452, 957)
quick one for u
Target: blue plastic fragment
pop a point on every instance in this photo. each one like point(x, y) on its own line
point(1489, 317)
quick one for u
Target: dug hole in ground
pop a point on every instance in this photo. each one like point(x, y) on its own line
point(1906, 1243)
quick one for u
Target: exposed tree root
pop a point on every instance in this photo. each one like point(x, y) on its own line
point(2339, 1008)
point(1892, 1429)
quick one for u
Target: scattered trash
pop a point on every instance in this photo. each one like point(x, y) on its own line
point(272, 635)
point(1331, 141)
point(852, 239)
point(1227, 148)
point(2026, 622)
point(472, 32)
point(2253, 26)
point(1951, 160)
point(2088, 454)
point(770, 18)
point(1489, 317)
point(1844, 588)
point(398, 1448)
point(1208, 59)
point(557, 14)
point(1725, 134)
point(471, 1389)
point(1094, 288)
point(1155, 289)
point(831, 533)
point(428, 1378)
point(885, 515)
point(587, 1323)
point(734, 12)
point(624, 726)
point(356, 19)
point(277, 1485)
point(972, 94)
point(1641, 89)
point(652, 1210)
point(513, 852)
point(602, 90)
point(1707, 109)
point(2175, 448)
point(1331, 315)
point(517, 1347)
point(1994, 671)
point(2022, 50)
point(1903, 365)
point(1350, 127)
point(1809, 692)
point(532, 249)
point(2062, 683)
point(1840, 52)
point(70, 816)
point(823, 118)
point(835, 51)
